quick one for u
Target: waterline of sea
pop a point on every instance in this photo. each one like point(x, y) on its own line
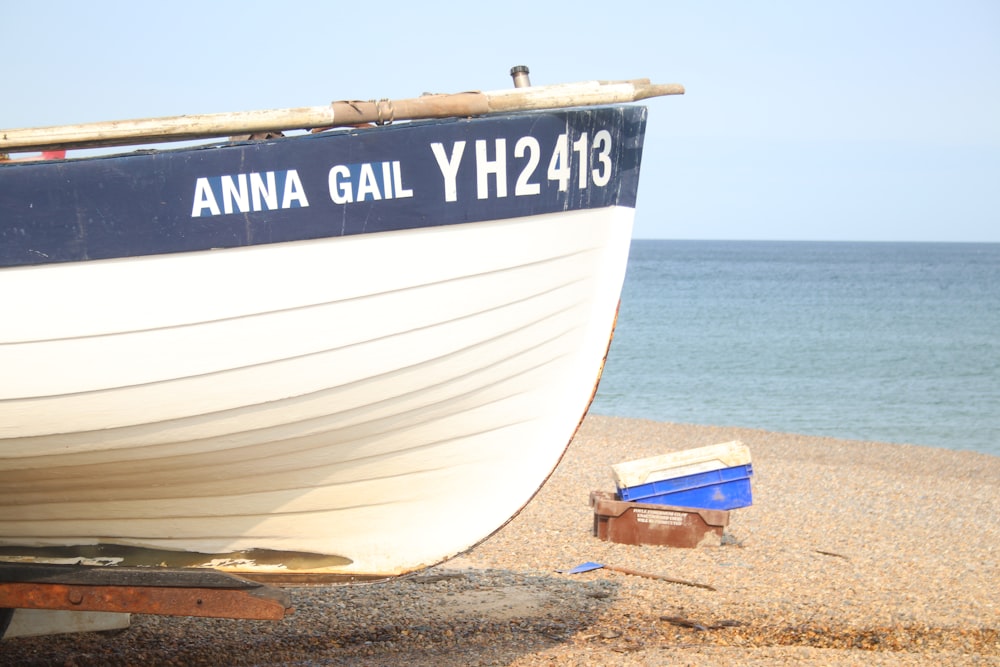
point(889, 342)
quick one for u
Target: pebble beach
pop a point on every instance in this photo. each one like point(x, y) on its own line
point(853, 553)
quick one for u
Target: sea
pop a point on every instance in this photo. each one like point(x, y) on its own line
point(886, 342)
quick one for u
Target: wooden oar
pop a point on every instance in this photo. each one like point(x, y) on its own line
point(336, 114)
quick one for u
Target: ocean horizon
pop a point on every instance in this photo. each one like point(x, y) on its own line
point(879, 341)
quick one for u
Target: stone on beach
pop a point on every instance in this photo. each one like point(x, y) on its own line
point(853, 553)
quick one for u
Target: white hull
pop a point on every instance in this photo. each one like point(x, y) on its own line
point(386, 400)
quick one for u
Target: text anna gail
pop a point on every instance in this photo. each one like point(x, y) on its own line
point(376, 181)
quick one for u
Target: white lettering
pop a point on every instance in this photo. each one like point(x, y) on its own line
point(268, 191)
point(559, 163)
point(580, 146)
point(387, 179)
point(242, 193)
point(293, 191)
point(485, 167)
point(401, 192)
point(340, 192)
point(524, 184)
point(602, 143)
point(232, 194)
point(367, 180)
point(661, 517)
point(367, 185)
point(449, 167)
point(204, 198)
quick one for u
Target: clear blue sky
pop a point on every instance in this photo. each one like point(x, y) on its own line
point(848, 120)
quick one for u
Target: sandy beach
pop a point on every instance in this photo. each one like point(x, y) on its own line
point(853, 553)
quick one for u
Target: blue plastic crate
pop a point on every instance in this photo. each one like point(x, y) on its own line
point(721, 489)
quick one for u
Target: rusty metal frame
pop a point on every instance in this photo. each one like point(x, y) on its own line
point(160, 591)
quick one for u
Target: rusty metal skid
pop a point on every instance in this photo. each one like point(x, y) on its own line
point(168, 592)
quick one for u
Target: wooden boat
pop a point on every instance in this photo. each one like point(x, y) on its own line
point(352, 353)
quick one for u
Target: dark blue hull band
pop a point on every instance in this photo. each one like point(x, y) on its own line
point(331, 184)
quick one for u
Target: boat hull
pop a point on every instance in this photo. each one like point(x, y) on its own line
point(357, 405)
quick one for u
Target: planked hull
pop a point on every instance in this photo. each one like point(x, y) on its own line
point(361, 404)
